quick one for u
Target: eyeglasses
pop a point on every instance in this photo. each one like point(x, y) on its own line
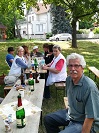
point(75, 66)
point(55, 50)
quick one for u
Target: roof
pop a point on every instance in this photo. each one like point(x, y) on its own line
point(42, 8)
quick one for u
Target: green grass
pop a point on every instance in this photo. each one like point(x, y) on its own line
point(88, 49)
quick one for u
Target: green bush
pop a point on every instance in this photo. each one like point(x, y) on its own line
point(96, 30)
point(48, 35)
point(83, 31)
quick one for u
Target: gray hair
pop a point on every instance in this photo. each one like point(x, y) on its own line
point(77, 56)
point(57, 47)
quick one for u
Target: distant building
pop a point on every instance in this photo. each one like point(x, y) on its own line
point(36, 23)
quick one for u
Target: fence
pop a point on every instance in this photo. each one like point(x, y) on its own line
point(85, 36)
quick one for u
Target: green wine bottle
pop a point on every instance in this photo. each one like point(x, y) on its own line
point(35, 64)
point(31, 82)
point(20, 114)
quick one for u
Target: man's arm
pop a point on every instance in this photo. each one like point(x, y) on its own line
point(87, 125)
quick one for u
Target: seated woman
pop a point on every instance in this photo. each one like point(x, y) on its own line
point(26, 53)
point(57, 68)
point(18, 63)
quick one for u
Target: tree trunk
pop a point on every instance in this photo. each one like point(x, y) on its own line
point(18, 31)
point(74, 41)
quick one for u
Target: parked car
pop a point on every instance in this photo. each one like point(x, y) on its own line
point(61, 37)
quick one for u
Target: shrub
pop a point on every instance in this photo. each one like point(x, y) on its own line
point(83, 31)
point(48, 35)
point(96, 30)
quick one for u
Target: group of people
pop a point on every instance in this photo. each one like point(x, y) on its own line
point(21, 60)
point(55, 66)
point(82, 113)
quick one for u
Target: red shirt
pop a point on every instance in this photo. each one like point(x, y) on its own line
point(59, 64)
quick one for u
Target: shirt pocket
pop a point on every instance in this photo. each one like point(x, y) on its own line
point(79, 106)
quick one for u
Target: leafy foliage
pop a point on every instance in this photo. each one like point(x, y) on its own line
point(77, 9)
point(48, 35)
point(10, 11)
point(85, 24)
point(96, 30)
point(59, 22)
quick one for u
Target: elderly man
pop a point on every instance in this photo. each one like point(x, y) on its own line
point(36, 52)
point(82, 115)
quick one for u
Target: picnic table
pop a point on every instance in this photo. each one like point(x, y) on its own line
point(32, 121)
point(41, 71)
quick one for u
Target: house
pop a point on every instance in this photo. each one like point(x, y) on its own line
point(36, 23)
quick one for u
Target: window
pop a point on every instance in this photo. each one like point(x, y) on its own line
point(32, 18)
point(29, 19)
point(39, 27)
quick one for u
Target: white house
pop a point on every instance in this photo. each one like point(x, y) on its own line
point(37, 22)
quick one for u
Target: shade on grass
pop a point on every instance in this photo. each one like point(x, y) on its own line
point(88, 49)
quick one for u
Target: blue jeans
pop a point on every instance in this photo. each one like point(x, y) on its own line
point(54, 120)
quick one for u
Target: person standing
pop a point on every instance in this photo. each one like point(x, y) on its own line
point(48, 58)
point(9, 56)
point(82, 115)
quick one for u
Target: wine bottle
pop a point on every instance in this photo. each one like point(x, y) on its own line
point(36, 77)
point(35, 64)
point(31, 82)
point(20, 114)
point(22, 77)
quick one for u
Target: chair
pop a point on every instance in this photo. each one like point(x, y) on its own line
point(60, 86)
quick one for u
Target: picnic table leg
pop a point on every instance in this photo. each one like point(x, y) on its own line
point(89, 73)
point(41, 118)
point(95, 77)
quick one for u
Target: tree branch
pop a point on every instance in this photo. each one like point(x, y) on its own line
point(87, 14)
point(68, 2)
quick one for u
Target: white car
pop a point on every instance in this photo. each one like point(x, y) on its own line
point(61, 37)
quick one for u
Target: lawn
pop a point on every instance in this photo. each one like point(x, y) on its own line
point(88, 49)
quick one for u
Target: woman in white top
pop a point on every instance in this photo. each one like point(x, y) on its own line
point(57, 68)
point(18, 63)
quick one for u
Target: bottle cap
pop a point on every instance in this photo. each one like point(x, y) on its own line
point(19, 96)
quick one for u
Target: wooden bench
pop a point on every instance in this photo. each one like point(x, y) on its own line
point(7, 89)
point(93, 70)
point(60, 86)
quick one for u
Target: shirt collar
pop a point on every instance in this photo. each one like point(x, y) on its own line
point(80, 83)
